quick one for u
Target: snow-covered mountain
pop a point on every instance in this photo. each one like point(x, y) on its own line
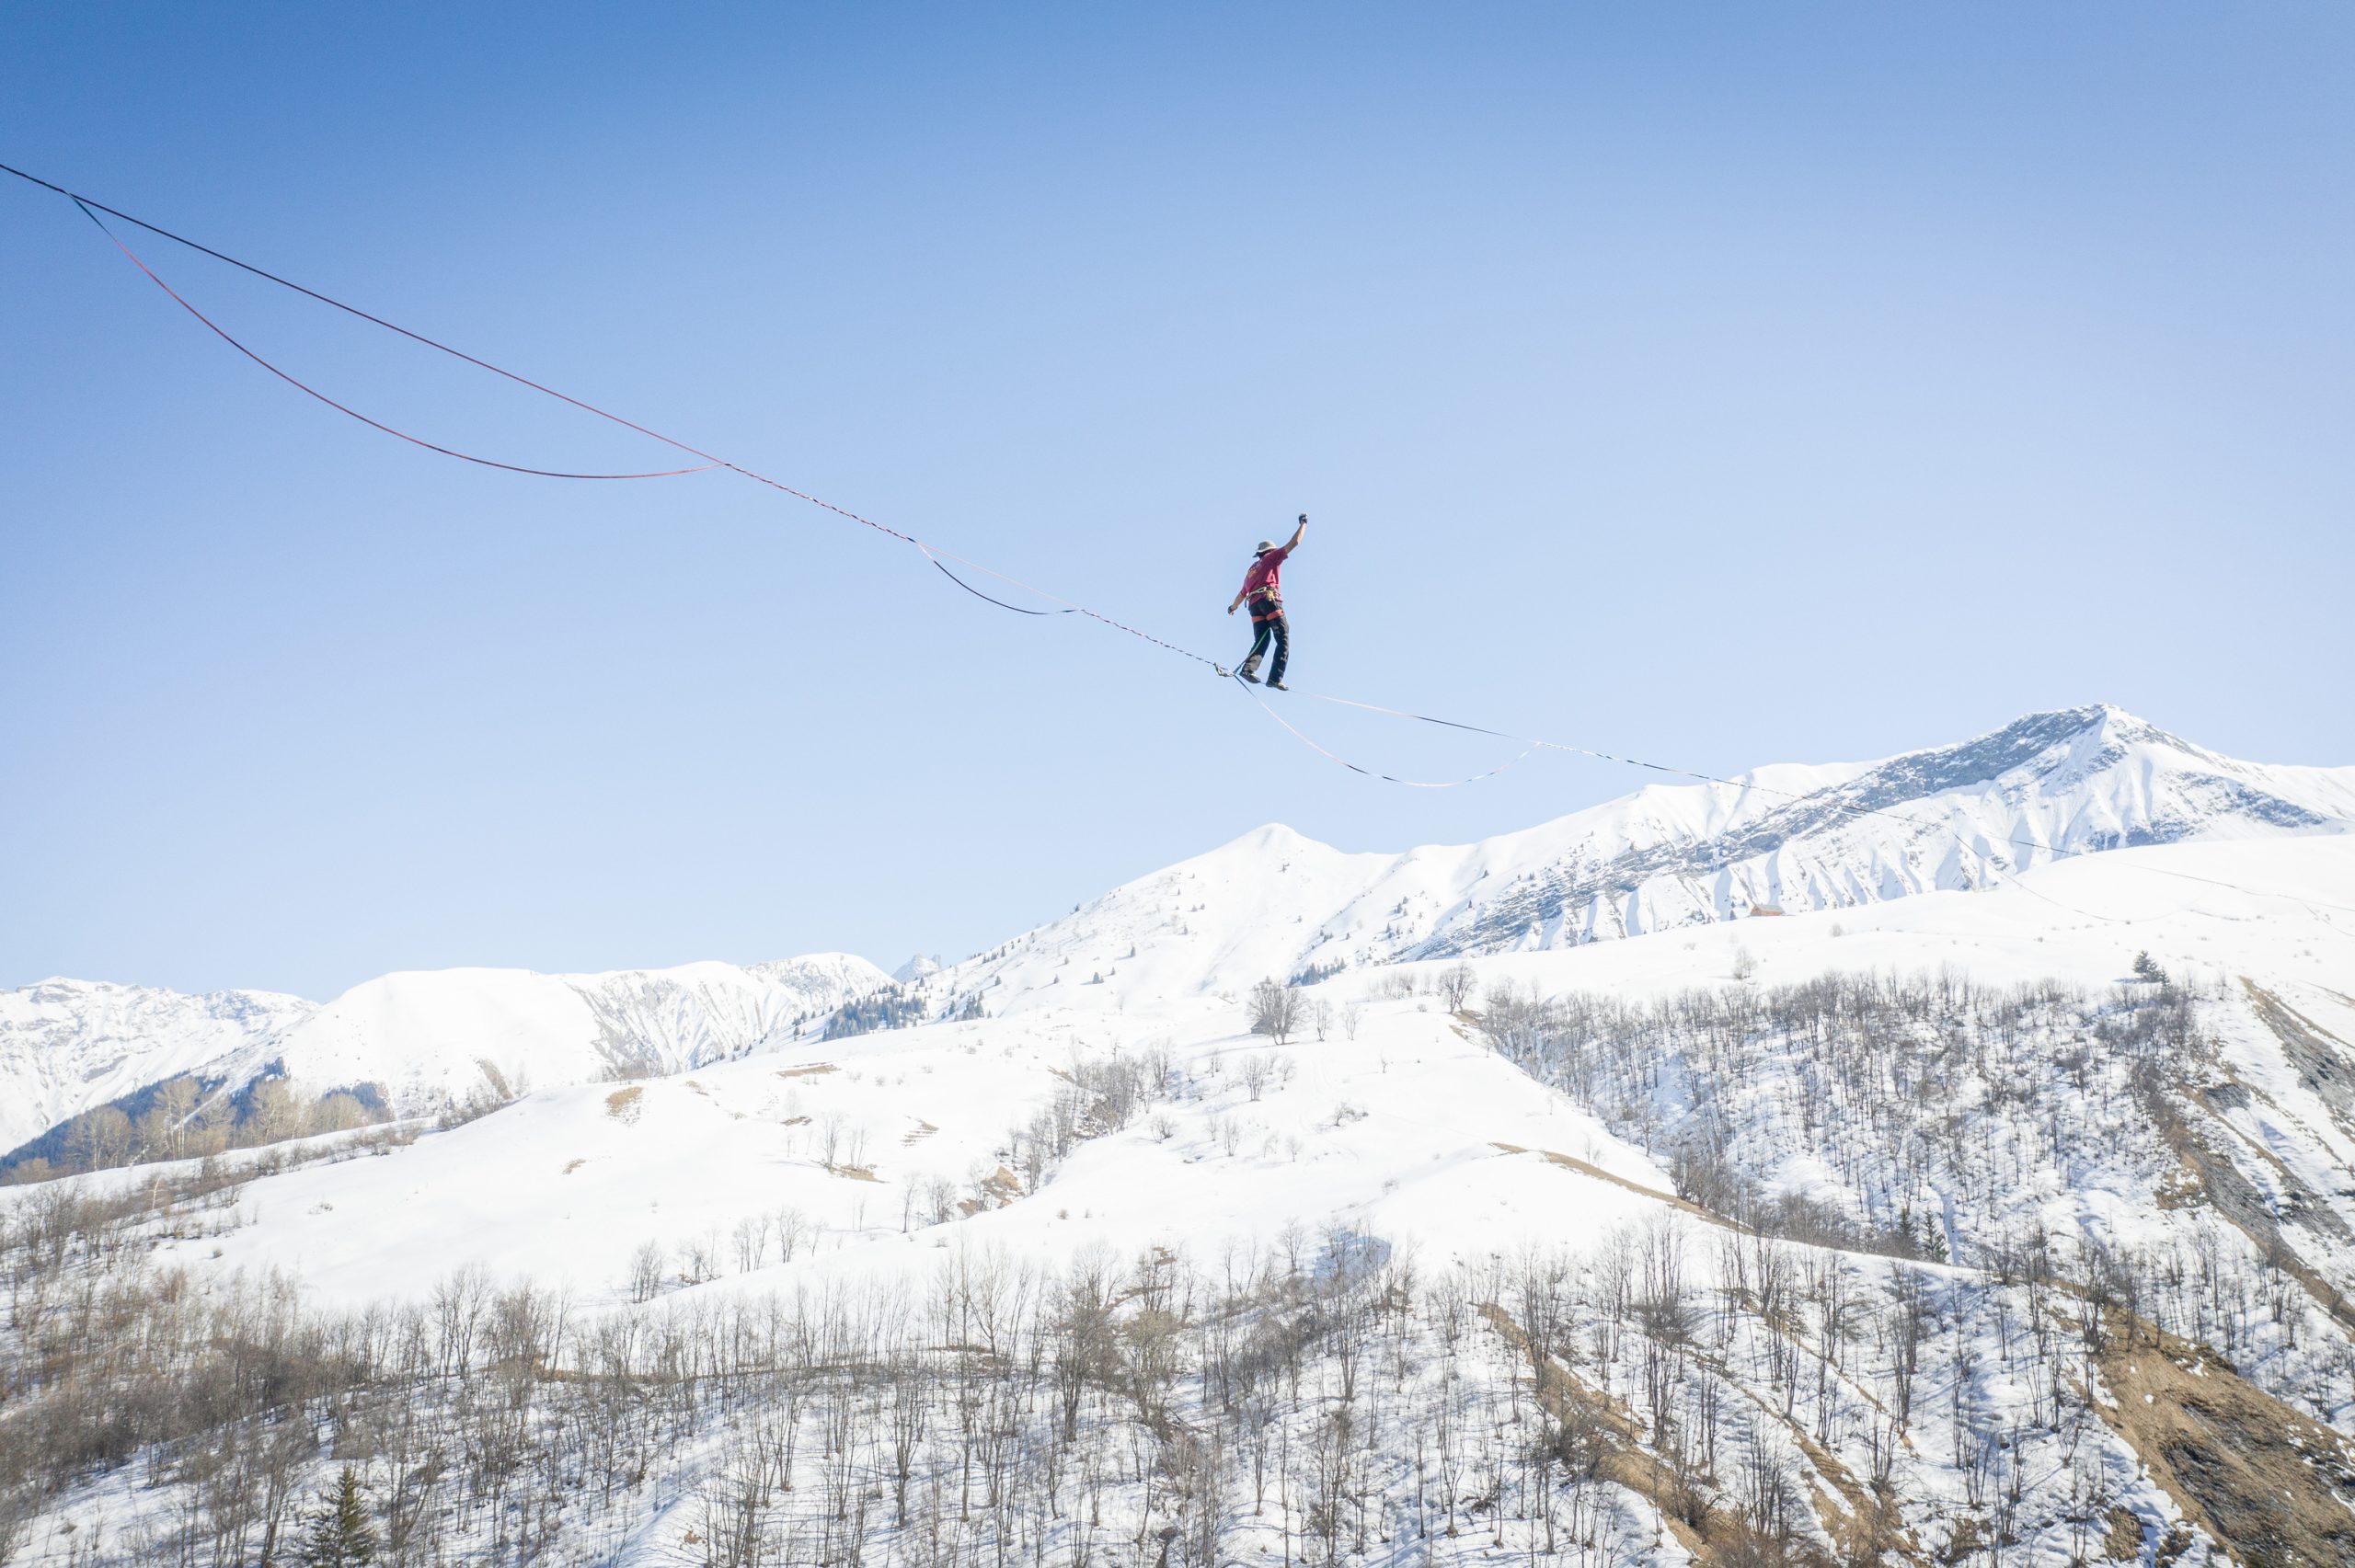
point(1820, 1202)
point(822, 982)
point(422, 1039)
point(1784, 838)
point(66, 1046)
point(427, 1038)
point(1781, 839)
point(1955, 1218)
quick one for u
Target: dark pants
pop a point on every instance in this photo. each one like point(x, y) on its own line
point(1263, 628)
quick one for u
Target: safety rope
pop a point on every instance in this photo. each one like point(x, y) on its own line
point(344, 408)
point(977, 593)
point(1303, 738)
point(90, 209)
point(711, 459)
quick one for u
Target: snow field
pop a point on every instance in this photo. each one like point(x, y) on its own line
point(1397, 1260)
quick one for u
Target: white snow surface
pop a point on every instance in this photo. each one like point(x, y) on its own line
point(881, 1155)
point(426, 1036)
point(1398, 1133)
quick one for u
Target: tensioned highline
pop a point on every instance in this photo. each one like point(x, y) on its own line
point(91, 208)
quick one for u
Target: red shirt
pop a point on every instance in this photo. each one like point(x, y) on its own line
point(1261, 580)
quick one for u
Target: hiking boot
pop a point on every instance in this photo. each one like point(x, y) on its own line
point(1247, 675)
point(1275, 685)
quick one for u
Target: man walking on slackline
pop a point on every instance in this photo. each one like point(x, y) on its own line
point(1261, 587)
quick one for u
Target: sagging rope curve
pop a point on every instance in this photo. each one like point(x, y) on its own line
point(90, 209)
point(977, 593)
point(344, 408)
point(91, 206)
point(1305, 739)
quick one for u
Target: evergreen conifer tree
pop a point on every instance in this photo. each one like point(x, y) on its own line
point(339, 1534)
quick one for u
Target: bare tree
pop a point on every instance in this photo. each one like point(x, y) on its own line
point(274, 1114)
point(646, 1271)
point(752, 1238)
point(1083, 1417)
point(792, 1229)
point(336, 1113)
point(163, 1129)
point(99, 1137)
point(1275, 1011)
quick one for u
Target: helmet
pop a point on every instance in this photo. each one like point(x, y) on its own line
point(1263, 546)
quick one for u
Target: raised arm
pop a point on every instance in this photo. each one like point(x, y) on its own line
point(1290, 545)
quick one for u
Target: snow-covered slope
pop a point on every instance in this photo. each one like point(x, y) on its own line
point(820, 982)
point(566, 1183)
point(69, 1045)
point(1395, 1128)
point(425, 1038)
point(996, 1153)
point(1809, 1179)
point(1784, 838)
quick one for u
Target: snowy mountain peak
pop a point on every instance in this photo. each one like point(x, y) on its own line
point(1781, 837)
point(1272, 903)
point(2081, 737)
point(427, 1038)
point(1277, 841)
point(828, 979)
point(2129, 781)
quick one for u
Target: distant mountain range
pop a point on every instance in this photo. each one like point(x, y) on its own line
point(1778, 840)
point(1273, 903)
point(421, 1039)
point(68, 1046)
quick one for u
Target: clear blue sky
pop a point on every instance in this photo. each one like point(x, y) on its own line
point(1719, 384)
